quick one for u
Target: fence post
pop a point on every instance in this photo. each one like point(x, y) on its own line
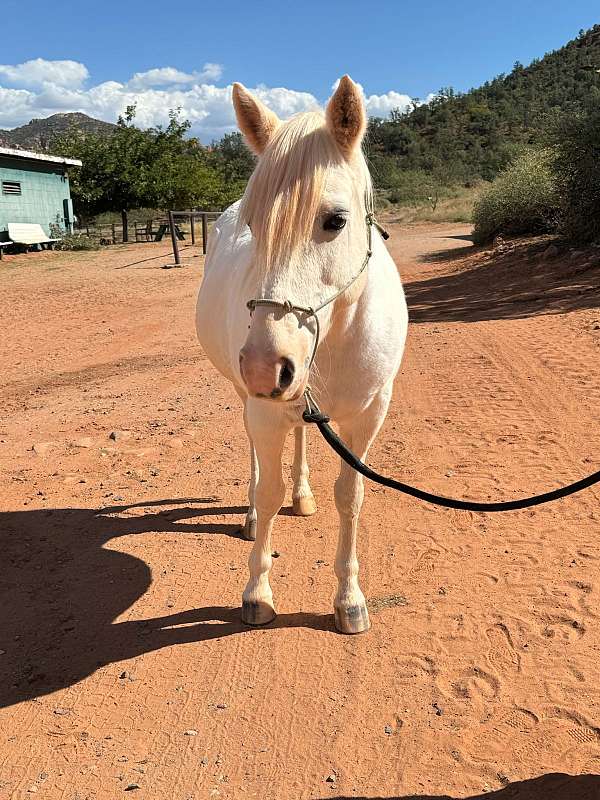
point(125, 228)
point(174, 239)
point(114, 233)
point(204, 232)
point(192, 229)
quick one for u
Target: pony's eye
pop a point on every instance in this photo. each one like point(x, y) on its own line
point(334, 223)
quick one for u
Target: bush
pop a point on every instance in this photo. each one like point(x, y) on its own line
point(577, 142)
point(523, 199)
point(73, 241)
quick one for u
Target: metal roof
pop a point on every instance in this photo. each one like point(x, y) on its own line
point(31, 156)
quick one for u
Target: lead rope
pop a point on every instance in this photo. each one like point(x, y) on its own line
point(313, 414)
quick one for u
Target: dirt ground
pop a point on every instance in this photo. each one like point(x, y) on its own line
point(123, 664)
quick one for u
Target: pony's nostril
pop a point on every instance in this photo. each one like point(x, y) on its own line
point(286, 374)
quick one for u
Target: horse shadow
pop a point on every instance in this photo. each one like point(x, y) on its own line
point(61, 591)
point(553, 786)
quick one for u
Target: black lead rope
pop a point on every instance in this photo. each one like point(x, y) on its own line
point(314, 415)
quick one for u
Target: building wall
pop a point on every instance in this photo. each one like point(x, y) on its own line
point(44, 187)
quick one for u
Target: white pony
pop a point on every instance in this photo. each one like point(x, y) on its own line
point(300, 234)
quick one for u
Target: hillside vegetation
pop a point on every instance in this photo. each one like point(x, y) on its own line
point(466, 137)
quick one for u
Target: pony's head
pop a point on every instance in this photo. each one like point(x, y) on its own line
point(305, 205)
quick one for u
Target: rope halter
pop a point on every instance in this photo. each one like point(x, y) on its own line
point(309, 311)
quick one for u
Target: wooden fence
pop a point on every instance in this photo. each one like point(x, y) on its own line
point(185, 224)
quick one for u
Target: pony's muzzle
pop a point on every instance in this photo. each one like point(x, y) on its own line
point(267, 376)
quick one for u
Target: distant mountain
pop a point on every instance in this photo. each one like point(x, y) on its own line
point(38, 134)
point(474, 134)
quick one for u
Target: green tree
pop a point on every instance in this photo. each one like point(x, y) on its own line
point(576, 141)
point(135, 168)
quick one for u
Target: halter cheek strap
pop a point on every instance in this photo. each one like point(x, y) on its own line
point(309, 311)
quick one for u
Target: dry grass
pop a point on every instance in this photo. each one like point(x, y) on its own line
point(457, 208)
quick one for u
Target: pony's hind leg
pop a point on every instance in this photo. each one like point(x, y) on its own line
point(303, 501)
point(249, 529)
point(268, 436)
point(350, 606)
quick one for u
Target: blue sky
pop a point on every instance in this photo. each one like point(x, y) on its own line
point(406, 49)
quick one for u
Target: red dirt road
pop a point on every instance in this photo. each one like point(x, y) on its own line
point(123, 664)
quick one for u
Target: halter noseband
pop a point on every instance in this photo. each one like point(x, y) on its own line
point(310, 311)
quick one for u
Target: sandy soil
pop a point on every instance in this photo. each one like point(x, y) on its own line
point(123, 664)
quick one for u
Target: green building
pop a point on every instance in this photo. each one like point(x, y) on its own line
point(34, 187)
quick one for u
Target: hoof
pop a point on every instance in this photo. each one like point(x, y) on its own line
point(354, 619)
point(257, 613)
point(249, 529)
point(304, 506)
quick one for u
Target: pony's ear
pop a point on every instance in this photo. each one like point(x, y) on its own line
point(254, 119)
point(346, 117)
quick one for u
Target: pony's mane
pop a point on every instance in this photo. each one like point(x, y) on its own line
point(284, 193)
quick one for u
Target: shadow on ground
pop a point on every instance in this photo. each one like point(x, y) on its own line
point(509, 285)
point(555, 786)
point(61, 590)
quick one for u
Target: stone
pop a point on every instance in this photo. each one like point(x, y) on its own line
point(137, 475)
point(119, 435)
point(550, 252)
point(41, 448)
point(331, 778)
point(191, 732)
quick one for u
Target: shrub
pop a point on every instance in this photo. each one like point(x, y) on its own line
point(411, 188)
point(522, 199)
point(577, 141)
point(73, 241)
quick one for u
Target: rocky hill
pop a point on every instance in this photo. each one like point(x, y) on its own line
point(38, 133)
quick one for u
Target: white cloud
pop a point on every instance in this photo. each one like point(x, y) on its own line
point(42, 88)
point(169, 76)
point(380, 105)
point(39, 72)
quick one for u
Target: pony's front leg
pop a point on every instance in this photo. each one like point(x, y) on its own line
point(267, 431)
point(303, 501)
point(350, 606)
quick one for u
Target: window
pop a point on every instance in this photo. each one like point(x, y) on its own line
point(11, 187)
